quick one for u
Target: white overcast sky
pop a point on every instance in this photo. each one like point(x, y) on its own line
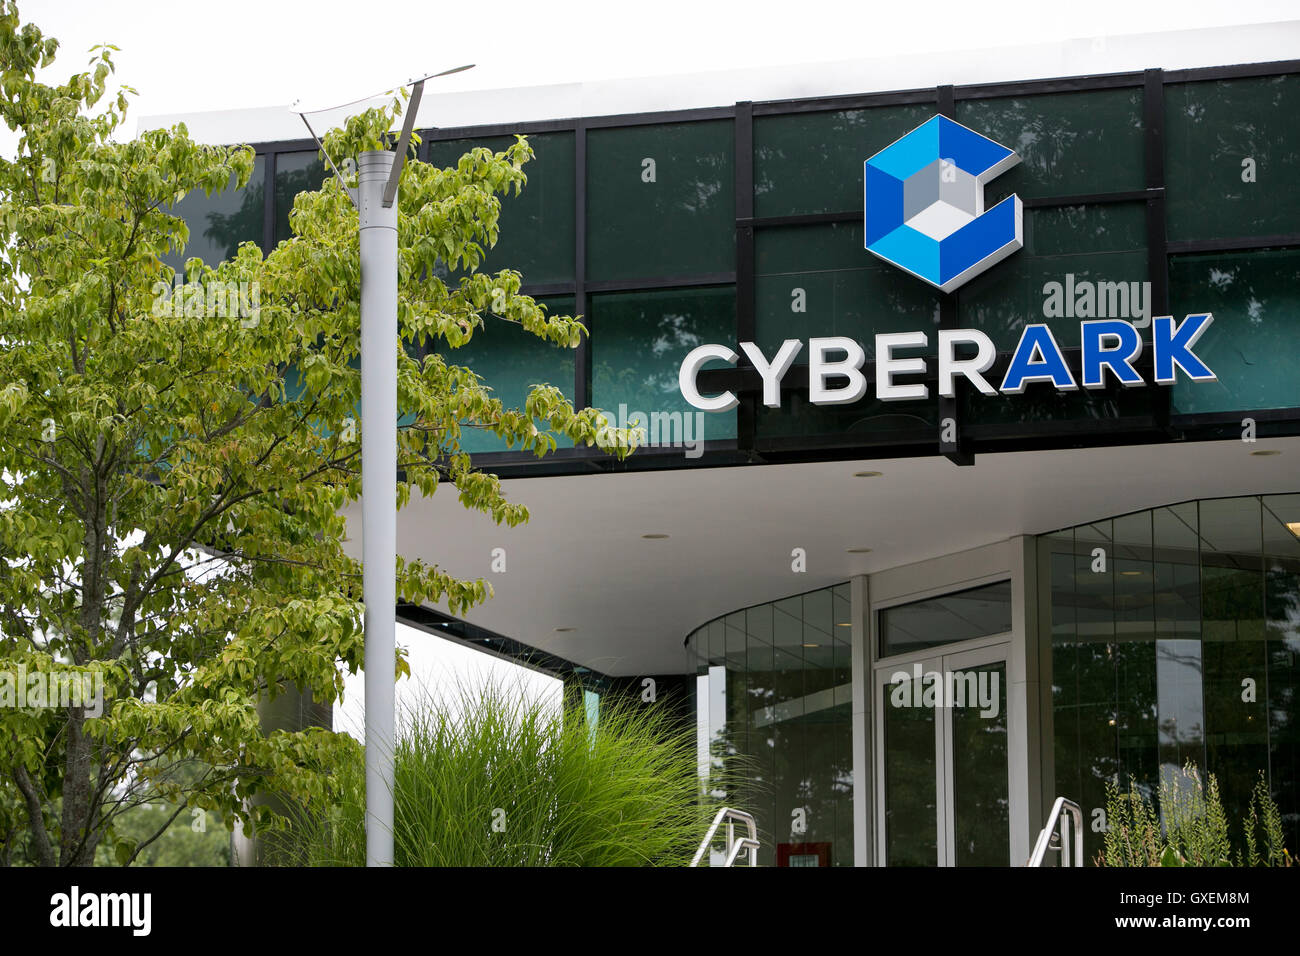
point(237, 54)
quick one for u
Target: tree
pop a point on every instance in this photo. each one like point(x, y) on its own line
point(175, 465)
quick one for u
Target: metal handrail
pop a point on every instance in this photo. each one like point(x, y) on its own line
point(734, 846)
point(1049, 839)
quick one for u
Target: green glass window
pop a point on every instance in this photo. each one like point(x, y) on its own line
point(812, 162)
point(638, 341)
point(817, 281)
point(511, 360)
point(1232, 151)
point(1255, 299)
point(1070, 144)
point(660, 200)
point(1076, 247)
point(1078, 263)
point(294, 173)
point(220, 222)
point(537, 226)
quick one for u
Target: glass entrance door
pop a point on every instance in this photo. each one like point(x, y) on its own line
point(943, 774)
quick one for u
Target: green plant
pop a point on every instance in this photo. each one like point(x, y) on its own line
point(490, 777)
point(177, 457)
point(1263, 815)
point(1132, 828)
point(1195, 829)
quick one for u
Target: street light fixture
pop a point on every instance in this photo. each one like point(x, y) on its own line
point(378, 172)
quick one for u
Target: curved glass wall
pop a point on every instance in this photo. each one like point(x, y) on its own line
point(773, 709)
point(1176, 638)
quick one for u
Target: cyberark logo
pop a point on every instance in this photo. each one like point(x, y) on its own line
point(924, 204)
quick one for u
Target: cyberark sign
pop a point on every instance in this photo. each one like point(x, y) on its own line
point(924, 213)
point(835, 362)
point(923, 200)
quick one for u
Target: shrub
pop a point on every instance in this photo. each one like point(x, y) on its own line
point(1195, 828)
point(488, 777)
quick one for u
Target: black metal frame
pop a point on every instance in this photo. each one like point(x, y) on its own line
point(1161, 425)
point(489, 642)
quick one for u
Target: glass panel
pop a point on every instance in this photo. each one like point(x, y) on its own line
point(1232, 151)
point(1070, 144)
point(981, 800)
point(976, 612)
point(911, 834)
point(660, 200)
point(1152, 705)
point(1255, 299)
point(787, 726)
point(760, 759)
point(220, 222)
point(733, 651)
point(818, 280)
point(1079, 263)
point(1282, 603)
point(1179, 667)
point(511, 360)
point(1198, 665)
point(537, 225)
point(812, 162)
point(1233, 632)
point(775, 717)
point(294, 173)
point(638, 341)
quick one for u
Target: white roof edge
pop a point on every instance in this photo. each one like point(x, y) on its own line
point(1171, 50)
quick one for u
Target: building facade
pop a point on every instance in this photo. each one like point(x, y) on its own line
point(904, 623)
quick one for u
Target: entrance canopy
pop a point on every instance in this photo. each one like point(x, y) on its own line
point(582, 581)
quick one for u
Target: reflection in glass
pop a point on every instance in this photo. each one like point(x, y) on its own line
point(511, 360)
point(1069, 143)
point(220, 222)
point(661, 200)
point(536, 226)
point(638, 341)
point(981, 801)
point(294, 173)
point(960, 616)
point(1179, 644)
point(781, 680)
point(1255, 300)
point(911, 831)
point(812, 162)
point(1232, 157)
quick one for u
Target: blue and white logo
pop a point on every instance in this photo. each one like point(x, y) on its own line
point(924, 204)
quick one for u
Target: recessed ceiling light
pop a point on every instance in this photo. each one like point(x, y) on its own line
point(654, 537)
point(564, 630)
point(1293, 527)
point(844, 624)
point(1266, 453)
point(812, 645)
point(1130, 574)
point(857, 550)
point(867, 474)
